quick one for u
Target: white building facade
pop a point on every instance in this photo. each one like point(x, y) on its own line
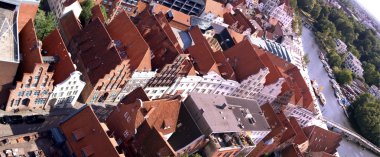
point(66, 93)
point(270, 92)
point(250, 87)
point(354, 64)
point(61, 7)
point(341, 47)
point(283, 14)
point(138, 79)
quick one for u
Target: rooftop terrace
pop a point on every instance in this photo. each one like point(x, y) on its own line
point(8, 33)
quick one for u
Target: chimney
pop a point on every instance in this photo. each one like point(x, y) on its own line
point(111, 44)
point(169, 16)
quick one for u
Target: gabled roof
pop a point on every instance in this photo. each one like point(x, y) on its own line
point(244, 59)
point(291, 151)
point(214, 7)
point(30, 49)
point(53, 45)
point(225, 68)
point(99, 55)
point(69, 26)
point(129, 42)
point(322, 140)
point(201, 53)
point(97, 13)
point(86, 135)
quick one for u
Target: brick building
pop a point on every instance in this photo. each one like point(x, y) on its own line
point(232, 126)
point(85, 136)
point(107, 57)
point(67, 82)
point(143, 126)
point(157, 32)
point(33, 88)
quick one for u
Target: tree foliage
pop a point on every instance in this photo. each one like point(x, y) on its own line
point(343, 76)
point(332, 23)
point(86, 14)
point(44, 24)
point(366, 114)
point(306, 5)
point(103, 10)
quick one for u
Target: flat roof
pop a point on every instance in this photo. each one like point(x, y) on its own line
point(229, 114)
point(8, 33)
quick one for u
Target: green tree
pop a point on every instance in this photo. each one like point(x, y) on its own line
point(316, 11)
point(86, 14)
point(343, 76)
point(103, 10)
point(371, 75)
point(293, 4)
point(44, 23)
point(335, 59)
point(366, 114)
point(306, 5)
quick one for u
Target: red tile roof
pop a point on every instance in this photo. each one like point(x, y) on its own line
point(242, 22)
point(322, 140)
point(291, 151)
point(29, 48)
point(98, 55)
point(97, 13)
point(245, 60)
point(225, 68)
point(122, 29)
point(214, 7)
point(69, 26)
point(53, 45)
point(181, 19)
point(300, 137)
point(158, 34)
point(85, 134)
point(201, 53)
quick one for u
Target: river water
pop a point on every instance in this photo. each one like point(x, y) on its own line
point(331, 111)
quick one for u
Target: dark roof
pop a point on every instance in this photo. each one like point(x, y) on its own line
point(29, 48)
point(98, 57)
point(69, 26)
point(53, 45)
point(187, 131)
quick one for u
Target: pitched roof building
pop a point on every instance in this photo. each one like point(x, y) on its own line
point(86, 136)
point(143, 125)
point(322, 140)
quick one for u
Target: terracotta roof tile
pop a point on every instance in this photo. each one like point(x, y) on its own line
point(53, 45)
point(291, 151)
point(214, 7)
point(69, 26)
point(225, 68)
point(97, 13)
point(245, 60)
point(322, 140)
point(98, 56)
point(29, 48)
point(83, 130)
point(179, 17)
point(129, 40)
point(201, 53)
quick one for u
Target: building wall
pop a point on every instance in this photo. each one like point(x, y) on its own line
point(303, 116)
point(184, 85)
point(107, 88)
point(33, 91)
point(280, 14)
point(270, 92)
point(8, 72)
point(138, 79)
point(250, 87)
point(66, 93)
point(354, 65)
point(59, 9)
point(156, 92)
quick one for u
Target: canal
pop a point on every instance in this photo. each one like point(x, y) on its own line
point(331, 111)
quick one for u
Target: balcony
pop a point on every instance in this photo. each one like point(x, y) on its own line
point(231, 140)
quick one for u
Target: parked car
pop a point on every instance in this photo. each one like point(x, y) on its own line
point(16, 119)
point(34, 119)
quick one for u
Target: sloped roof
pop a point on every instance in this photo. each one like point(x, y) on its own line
point(53, 45)
point(214, 7)
point(128, 40)
point(69, 26)
point(201, 53)
point(29, 47)
point(178, 16)
point(97, 13)
point(83, 131)
point(322, 140)
point(98, 57)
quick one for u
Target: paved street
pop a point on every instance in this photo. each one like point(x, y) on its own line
point(331, 111)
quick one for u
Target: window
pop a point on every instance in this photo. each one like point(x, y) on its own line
point(34, 85)
point(125, 133)
point(17, 101)
point(28, 93)
point(37, 92)
point(20, 93)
